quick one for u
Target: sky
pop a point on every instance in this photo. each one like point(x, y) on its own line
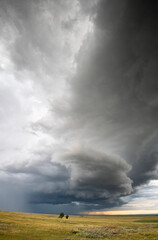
point(79, 106)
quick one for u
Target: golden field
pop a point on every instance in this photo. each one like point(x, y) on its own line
point(22, 226)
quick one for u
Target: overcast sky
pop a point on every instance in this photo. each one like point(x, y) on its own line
point(79, 106)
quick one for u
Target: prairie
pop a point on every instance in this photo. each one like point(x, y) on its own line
point(22, 226)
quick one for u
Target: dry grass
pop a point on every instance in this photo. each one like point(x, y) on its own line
point(22, 226)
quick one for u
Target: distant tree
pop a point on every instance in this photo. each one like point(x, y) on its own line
point(67, 216)
point(61, 215)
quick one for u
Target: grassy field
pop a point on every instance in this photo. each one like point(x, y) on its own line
point(23, 226)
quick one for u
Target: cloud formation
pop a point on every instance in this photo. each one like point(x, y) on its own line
point(97, 176)
point(81, 90)
point(115, 88)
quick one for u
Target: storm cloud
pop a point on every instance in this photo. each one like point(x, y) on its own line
point(82, 92)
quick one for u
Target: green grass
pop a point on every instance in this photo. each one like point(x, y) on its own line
point(22, 226)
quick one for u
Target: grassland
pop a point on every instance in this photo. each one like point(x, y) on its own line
point(24, 226)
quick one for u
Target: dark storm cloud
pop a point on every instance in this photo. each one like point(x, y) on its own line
point(111, 103)
point(115, 102)
point(145, 166)
point(96, 175)
point(40, 174)
point(49, 171)
point(52, 202)
point(86, 177)
point(95, 178)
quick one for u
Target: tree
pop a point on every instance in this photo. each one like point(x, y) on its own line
point(61, 215)
point(67, 216)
